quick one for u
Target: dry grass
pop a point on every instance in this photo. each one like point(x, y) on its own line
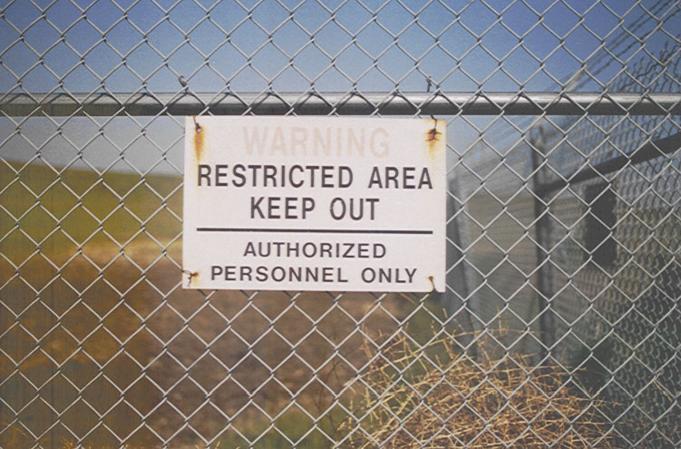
point(438, 397)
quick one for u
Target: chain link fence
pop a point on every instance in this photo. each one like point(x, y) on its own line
point(560, 324)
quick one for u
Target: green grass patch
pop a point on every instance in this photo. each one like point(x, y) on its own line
point(39, 202)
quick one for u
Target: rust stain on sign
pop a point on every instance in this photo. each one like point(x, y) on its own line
point(431, 279)
point(433, 136)
point(193, 277)
point(199, 138)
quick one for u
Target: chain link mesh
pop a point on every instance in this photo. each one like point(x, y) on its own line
point(563, 231)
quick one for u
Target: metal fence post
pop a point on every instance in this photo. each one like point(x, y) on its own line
point(542, 228)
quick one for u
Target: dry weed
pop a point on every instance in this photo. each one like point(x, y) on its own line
point(437, 397)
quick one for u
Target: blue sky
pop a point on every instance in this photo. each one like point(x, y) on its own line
point(250, 44)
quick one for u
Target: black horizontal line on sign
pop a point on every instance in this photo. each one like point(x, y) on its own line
point(320, 231)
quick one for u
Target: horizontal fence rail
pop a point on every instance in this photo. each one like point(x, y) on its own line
point(386, 103)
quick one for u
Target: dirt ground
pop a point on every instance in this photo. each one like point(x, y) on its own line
point(111, 350)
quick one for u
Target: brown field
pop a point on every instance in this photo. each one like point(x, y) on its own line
point(101, 346)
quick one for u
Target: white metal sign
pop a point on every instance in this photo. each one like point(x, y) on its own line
point(324, 203)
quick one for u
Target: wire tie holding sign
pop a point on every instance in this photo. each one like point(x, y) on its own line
point(432, 135)
point(190, 275)
point(432, 282)
point(199, 138)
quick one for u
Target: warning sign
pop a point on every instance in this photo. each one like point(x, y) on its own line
point(324, 203)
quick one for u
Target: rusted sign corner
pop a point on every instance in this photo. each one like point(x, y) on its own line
point(431, 279)
point(192, 278)
point(434, 135)
point(199, 139)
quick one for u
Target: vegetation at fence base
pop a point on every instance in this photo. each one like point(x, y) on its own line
point(438, 397)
